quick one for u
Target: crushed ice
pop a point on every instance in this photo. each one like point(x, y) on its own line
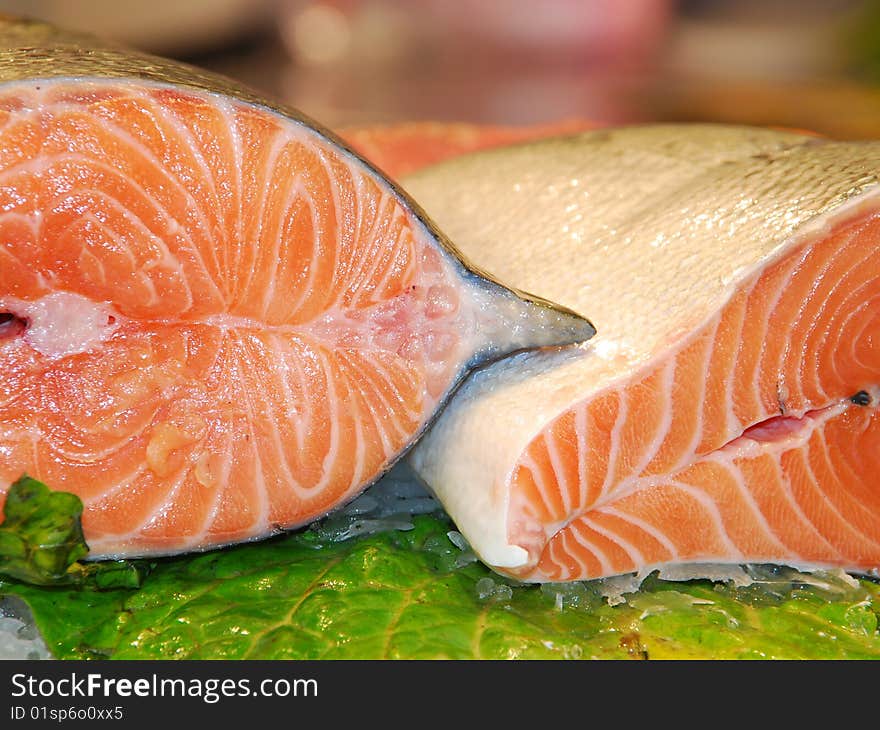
point(19, 638)
point(466, 555)
point(489, 589)
point(389, 504)
point(743, 582)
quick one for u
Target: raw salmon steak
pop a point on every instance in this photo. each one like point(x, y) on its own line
point(216, 321)
point(726, 411)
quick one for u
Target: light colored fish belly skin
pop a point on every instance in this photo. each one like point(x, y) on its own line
point(649, 231)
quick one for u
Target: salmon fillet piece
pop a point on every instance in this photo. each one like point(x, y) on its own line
point(215, 321)
point(726, 411)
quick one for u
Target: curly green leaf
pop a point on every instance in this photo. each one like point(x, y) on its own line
point(42, 542)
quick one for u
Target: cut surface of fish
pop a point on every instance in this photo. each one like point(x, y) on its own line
point(215, 322)
point(727, 409)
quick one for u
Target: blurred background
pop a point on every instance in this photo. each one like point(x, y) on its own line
point(811, 64)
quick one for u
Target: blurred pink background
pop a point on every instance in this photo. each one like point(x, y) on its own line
point(808, 63)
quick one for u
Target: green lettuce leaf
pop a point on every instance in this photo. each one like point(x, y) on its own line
point(415, 595)
point(41, 535)
point(41, 541)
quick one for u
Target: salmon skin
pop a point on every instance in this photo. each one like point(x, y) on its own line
point(727, 410)
point(216, 320)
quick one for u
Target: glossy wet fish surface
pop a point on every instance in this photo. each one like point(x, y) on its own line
point(216, 323)
point(726, 411)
